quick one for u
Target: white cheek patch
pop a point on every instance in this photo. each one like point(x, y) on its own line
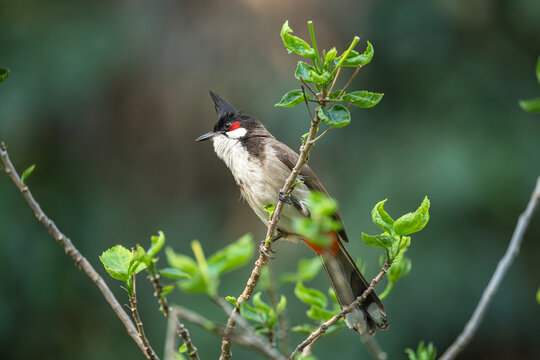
point(237, 134)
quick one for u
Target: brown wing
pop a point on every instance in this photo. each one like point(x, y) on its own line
point(288, 157)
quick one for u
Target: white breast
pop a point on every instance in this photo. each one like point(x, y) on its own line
point(259, 182)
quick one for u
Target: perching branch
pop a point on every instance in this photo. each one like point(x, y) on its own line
point(150, 354)
point(180, 327)
point(315, 335)
point(502, 268)
point(69, 248)
point(267, 244)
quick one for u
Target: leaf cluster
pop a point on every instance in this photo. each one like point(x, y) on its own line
point(321, 71)
point(428, 352)
point(204, 273)
point(320, 309)
point(261, 313)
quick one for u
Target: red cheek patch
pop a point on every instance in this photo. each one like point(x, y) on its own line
point(234, 126)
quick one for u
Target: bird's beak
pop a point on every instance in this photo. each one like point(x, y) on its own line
point(206, 136)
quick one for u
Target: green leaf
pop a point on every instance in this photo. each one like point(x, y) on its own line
point(318, 313)
point(381, 217)
point(181, 262)
point(196, 283)
point(26, 173)
point(281, 304)
point(260, 304)
point(330, 55)
point(319, 79)
point(335, 328)
point(166, 290)
point(4, 74)
point(173, 273)
point(269, 208)
point(538, 70)
point(382, 241)
point(413, 222)
point(337, 116)
point(307, 269)
point(250, 313)
point(362, 99)
point(302, 70)
point(183, 348)
point(532, 106)
point(116, 261)
point(157, 243)
point(310, 296)
point(295, 44)
point(232, 256)
point(232, 300)
point(305, 329)
point(292, 98)
point(538, 296)
point(355, 59)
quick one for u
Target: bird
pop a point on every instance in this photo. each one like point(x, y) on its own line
point(260, 164)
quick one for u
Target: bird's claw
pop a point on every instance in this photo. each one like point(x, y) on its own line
point(284, 198)
point(267, 253)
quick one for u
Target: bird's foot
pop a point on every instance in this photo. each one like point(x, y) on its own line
point(267, 251)
point(284, 198)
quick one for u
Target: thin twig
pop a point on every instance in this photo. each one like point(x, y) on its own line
point(69, 248)
point(322, 134)
point(244, 339)
point(170, 338)
point(307, 104)
point(347, 84)
point(334, 81)
point(316, 334)
point(267, 244)
point(309, 87)
point(181, 329)
point(502, 268)
point(373, 347)
point(150, 354)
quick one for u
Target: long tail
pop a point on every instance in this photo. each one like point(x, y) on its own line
point(349, 283)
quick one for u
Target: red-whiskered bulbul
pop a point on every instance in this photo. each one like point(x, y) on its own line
point(260, 165)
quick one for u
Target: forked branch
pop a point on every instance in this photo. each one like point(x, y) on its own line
point(69, 248)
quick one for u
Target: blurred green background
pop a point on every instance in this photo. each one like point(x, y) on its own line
point(107, 99)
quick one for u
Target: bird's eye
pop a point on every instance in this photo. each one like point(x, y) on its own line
point(228, 125)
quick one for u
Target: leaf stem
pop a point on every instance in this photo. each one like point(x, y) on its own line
point(345, 54)
point(314, 43)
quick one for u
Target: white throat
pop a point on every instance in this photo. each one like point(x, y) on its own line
point(236, 134)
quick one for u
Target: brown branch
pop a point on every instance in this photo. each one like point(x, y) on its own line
point(180, 327)
point(69, 248)
point(315, 335)
point(502, 268)
point(267, 244)
point(347, 84)
point(150, 354)
point(244, 339)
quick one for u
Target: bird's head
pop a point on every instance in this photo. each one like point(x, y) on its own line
point(232, 124)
